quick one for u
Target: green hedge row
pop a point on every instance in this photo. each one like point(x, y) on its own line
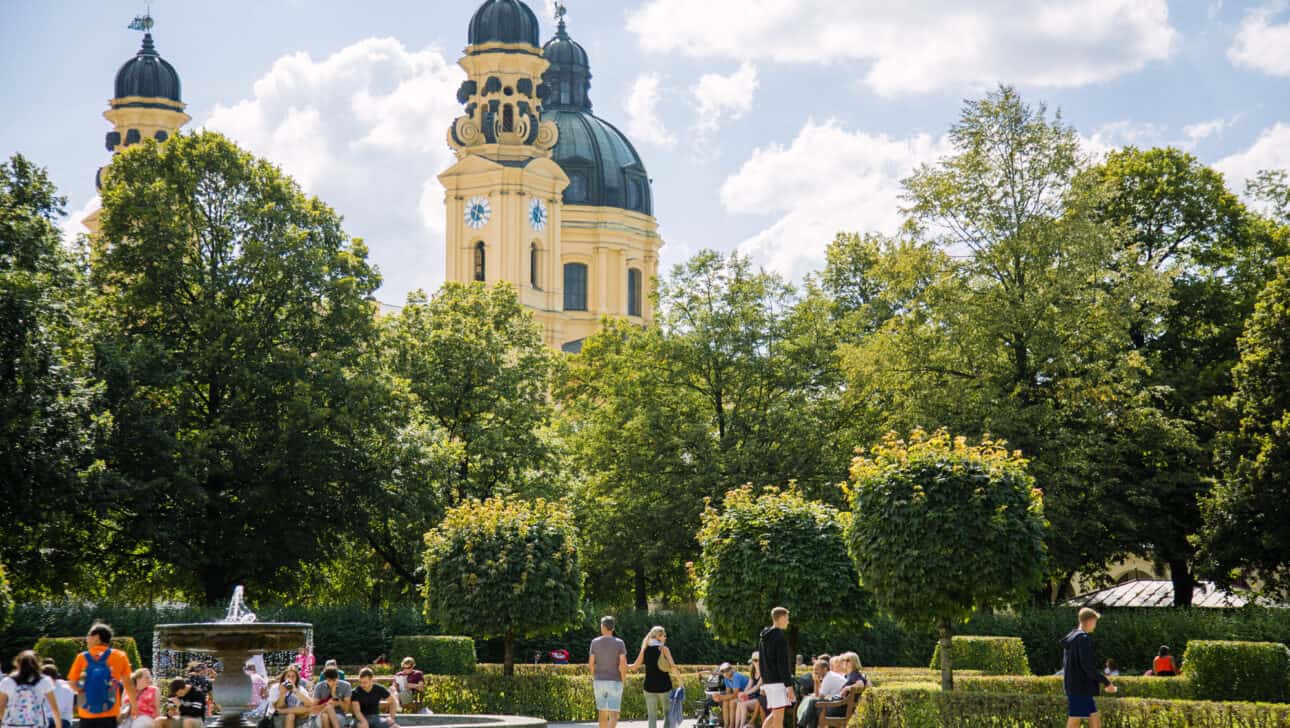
point(1257, 671)
point(552, 696)
point(435, 654)
point(63, 650)
point(991, 655)
point(1158, 688)
point(927, 707)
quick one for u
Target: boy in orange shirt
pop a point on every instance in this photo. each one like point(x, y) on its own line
point(98, 675)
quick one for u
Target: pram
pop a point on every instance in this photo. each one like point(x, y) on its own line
point(708, 714)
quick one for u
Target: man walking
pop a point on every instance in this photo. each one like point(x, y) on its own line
point(608, 666)
point(1080, 674)
point(97, 676)
point(776, 669)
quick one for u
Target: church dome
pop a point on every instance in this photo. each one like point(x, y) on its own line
point(148, 75)
point(504, 21)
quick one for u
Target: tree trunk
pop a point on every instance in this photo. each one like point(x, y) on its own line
point(642, 597)
point(215, 584)
point(792, 643)
point(1184, 582)
point(508, 666)
point(947, 656)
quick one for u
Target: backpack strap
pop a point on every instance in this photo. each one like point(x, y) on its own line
point(102, 660)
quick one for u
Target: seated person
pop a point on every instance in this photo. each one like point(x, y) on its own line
point(808, 692)
point(288, 699)
point(332, 663)
point(1163, 665)
point(366, 704)
point(187, 704)
point(332, 697)
point(411, 682)
point(746, 702)
point(733, 683)
point(852, 667)
point(1111, 669)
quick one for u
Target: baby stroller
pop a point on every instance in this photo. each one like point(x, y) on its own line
point(707, 717)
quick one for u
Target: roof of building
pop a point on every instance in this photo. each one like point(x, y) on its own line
point(504, 21)
point(1160, 593)
point(148, 75)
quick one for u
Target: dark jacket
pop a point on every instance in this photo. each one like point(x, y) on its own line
point(776, 663)
point(1080, 675)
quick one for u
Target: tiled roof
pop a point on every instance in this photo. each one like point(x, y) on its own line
point(1160, 593)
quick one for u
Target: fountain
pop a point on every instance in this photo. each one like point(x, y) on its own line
point(231, 641)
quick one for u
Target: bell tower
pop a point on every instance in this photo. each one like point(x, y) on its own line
point(504, 194)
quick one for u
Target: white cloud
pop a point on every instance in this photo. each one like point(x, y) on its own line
point(922, 45)
point(641, 105)
point(827, 180)
point(718, 98)
point(1261, 43)
point(364, 129)
point(1203, 130)
point(1270, 151)
point(75, 223)
point(1114, 135)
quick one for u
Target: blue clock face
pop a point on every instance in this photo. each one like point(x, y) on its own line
point(537, 214)
point(478, 212)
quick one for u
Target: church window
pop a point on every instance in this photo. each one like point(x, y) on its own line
point(575, 287)
point(533, 265)
point(633, 194)
point(566, 91)
point(577, 187)
point(480, 270)
point(634, 291)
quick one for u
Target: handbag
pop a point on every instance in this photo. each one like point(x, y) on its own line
point(673, 674)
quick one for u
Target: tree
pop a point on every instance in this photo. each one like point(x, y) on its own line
point(1272, 187)
point(940, 528)
point(775, 549)
point(504, 568)
point(232, 315)
point(1247, 517)
point(6, 600)
point(50, 425)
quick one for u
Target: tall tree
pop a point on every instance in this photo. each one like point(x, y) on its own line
point(49, 424)
point(1272, 187)
point(232, 313)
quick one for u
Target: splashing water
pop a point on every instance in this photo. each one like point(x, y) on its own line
point(238, 613)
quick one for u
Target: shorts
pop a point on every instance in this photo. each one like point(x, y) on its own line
point(776, 696)
point(609, 694)
point(1080, 706)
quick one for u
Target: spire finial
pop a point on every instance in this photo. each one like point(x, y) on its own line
point(560, 12)
point(143, 22)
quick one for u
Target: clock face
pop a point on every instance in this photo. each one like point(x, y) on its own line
point(478, 212)
point(537, 214)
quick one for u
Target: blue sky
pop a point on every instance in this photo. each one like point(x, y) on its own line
point(766, 125)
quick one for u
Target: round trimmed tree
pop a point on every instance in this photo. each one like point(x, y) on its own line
point(771, 549)
point(503, 568)
point(940, 528)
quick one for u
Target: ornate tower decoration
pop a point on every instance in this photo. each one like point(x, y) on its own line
point(146, 103)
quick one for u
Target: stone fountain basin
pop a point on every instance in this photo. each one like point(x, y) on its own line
point(235, 638)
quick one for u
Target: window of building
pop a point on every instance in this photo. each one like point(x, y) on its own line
point(480, 270)
point(533, 265)
point(575, 287)
point(508, 118)
point(577, 187)
point(633, 292)
point(633, 194)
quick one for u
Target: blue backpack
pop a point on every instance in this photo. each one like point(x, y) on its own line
point(100, 688)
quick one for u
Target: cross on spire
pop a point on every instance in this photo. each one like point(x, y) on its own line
point(143, 22)
point(560, 11)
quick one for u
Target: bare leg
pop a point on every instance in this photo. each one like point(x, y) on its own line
point(613, 718)
point(774, 719)
point(602, 718)
point(1095, 721)
point(1073, 722)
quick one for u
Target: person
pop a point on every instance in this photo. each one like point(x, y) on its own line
point(747, 701)
point(98, 676)
point(411, 682)
point(1163, 665)
point(559, 656)
point(607, 663)
point(259, 687)
point(735, 683)
point(776, 669)
point(63, 694)
point(332, 699)
point(849, 664)
point(145, 712)
point(1111, 669)
point(27, 697)
point(658, 685)
point(366, 705)
point(1080, 677)
point(814, 687)
point(305, 663)
point(288, 699)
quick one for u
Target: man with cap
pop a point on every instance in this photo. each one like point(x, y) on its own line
point(734, 682)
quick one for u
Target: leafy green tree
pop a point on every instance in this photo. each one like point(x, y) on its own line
point(49, 412)
point(6, 600)
point(232, 313)
point(775, 549)
point(940, 528)
point(872, 278)
point(1272, 187)
point(1247, 518)
point(504, 568)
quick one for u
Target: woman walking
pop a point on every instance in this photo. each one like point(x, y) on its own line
point(27, 696)
point(658, 686)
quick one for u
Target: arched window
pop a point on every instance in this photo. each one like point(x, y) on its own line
point(577, 191)
point(533, 265)
point(575, 287)
point(480, 270)
point(633, 292)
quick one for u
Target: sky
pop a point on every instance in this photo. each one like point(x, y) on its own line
point(766, 125)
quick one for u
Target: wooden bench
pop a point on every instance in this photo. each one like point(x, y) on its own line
point(849, 701)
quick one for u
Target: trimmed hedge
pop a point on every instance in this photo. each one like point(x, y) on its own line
point(63, 650)
point(1257, 671)
point(553, 697)
point(437, 655)
point(925, 706)
point(991, 655)
point(1158, 688)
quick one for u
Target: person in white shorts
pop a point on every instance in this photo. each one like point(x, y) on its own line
point(776, 669)
point(608, 666)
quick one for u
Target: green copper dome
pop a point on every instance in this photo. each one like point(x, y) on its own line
point(504, 21)
point(148, 75)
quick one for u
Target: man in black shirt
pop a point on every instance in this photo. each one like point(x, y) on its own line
point(776, 669)
point(1080, 674)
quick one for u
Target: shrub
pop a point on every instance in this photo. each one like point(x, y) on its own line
point(1238, 670)
point(436, 654)
point(924, 706)
point(552, 696)
point(63, 650)
point(6, 600)
point(991, 655)
point(1159, 688)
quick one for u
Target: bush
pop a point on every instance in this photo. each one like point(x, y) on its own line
point(6, 600)
point(436, 655)
point(1158, 688)
point(552, 696)
point(925, 706)
point(1238, 670)
point(63, 650)
point(991, 655)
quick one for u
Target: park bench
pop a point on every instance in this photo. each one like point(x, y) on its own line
point(849, 701)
